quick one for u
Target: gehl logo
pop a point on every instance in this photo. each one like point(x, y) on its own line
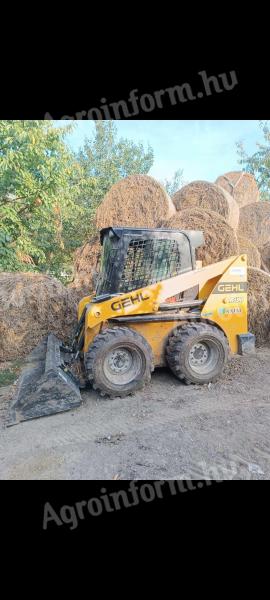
point(129, 301)
point(230, 288)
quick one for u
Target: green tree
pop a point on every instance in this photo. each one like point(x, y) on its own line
point(258, 164)
point(48, 195)
point(39, 183)
point(105, 159)
point(174, 184)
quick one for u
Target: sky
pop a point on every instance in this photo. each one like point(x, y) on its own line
point(204, 149)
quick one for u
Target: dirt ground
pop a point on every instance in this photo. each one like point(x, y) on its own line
point(167, 431)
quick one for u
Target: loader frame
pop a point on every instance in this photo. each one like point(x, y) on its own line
point(222, 300)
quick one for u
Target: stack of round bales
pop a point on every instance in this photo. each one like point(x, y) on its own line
point(259, 304)
point(205, 195)
point(242, 186)
point(85, 267)
point(135, 201)
point(220, 239)
point(31, 306)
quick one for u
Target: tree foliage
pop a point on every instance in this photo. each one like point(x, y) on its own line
point(48, 195)
point(174, 184)
point(258, 164)
point(39, 179)
point(105, 159)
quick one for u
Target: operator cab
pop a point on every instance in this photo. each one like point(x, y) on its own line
point(133, 258)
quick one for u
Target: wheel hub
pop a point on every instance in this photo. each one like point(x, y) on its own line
point(199, 354)
point(120, 361)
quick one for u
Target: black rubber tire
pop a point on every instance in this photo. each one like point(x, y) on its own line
point(180, 343)
point(108, 342)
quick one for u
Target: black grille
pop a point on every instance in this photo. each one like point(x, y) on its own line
point(145, 262)
point(149, 261)
point(135, 258)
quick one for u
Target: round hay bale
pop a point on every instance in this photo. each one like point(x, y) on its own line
point(247, 247)
point(205, 195)
point(242, 186)
point(136, 201)
point(254, 223)
point(220, 239)
point(259, 304)
point(31, 306)
point(85, 264)
point(265, 257)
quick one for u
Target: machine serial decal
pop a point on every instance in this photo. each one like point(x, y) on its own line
point(234, 310)
point(230, 288)
point(129, 301)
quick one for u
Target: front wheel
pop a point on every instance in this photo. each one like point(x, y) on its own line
point(197, 352)
point(118, 362)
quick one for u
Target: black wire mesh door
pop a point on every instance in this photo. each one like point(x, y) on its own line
point(149, 261)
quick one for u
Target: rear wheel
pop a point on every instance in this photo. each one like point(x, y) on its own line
point(197, 352)
point(119, 362)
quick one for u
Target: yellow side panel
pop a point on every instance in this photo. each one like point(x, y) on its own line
point(227, 301)
point(156, 335)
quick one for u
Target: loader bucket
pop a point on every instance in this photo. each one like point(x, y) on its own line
point(45, 386)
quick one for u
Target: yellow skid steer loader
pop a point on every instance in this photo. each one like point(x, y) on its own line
point(153, 307)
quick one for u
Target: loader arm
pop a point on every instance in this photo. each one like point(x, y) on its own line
point(148, 299)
